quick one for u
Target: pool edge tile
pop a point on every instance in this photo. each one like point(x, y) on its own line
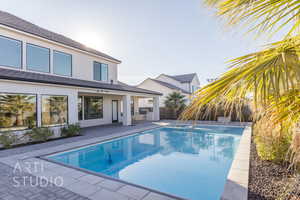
point(236, 186)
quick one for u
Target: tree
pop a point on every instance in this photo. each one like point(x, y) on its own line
point(175, 101)
point(268, 80)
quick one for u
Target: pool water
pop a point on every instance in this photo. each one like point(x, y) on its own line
point(187, 162)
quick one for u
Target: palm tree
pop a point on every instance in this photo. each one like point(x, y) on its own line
point(268, 80)
point(175, 101)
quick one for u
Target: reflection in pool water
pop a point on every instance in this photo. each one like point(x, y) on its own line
point(190, 163)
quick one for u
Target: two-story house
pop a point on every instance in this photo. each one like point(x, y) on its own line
point(186, 84)
point(47, 79)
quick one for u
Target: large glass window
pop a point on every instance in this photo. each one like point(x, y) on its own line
point(38, 58)
point(62, 63)
point(93, 107)
point(17, 111)
point(100, 71)
point(80, 117)
point(10, 52)
point(54, 110)
point(97, 71)
point(104, 72)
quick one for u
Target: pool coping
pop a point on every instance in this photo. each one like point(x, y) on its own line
point(236, 186)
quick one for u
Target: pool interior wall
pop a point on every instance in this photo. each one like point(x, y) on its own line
point(188, 162)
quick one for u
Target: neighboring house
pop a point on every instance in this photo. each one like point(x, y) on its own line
point(47, 79)
point(186, 84)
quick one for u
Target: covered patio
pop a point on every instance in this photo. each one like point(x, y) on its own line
point(99, 107)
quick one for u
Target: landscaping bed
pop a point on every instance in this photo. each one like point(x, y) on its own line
point(270, 181)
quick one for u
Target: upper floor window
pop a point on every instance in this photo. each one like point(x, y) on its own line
point(62, 63)
point(10, 52)
point(38, 58)
point(100, 71)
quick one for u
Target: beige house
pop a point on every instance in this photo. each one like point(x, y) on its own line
point(186, 84)
point(56, 81)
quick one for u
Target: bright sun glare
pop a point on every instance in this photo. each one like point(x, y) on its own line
point(92, 40)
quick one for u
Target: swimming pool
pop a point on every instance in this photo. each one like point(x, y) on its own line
point(188, 162)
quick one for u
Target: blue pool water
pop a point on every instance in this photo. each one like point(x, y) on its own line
point(192, 163)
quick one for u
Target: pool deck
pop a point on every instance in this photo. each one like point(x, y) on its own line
point(26, 162)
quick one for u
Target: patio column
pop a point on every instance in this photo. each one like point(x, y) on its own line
point(126, 110)
point(156, 108)
point(136, 105)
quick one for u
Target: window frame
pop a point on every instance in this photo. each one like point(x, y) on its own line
point(41, 111)
point(53, 51)
point(94, 62)
point(49, 59)
point(36, 110)
point(21, 64)
point(84, 109)
point(106, 72)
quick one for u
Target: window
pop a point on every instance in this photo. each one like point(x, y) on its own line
point(93, 107)
point(38, 58)
point(80, 101)
point(97, 71)
point(17, 111)
point(62, 63)
point(100, 72)
point(195, 88)
point(104, 72)
point(54, 110)
point(10, 52)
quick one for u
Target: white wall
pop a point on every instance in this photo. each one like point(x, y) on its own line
point(154, 86)
point(186, 86)
point(195, 82)
point(82, 61)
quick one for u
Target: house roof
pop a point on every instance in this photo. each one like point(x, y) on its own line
point(17, 23)
point(171, 86)
point(184, 78)
point(16, 75)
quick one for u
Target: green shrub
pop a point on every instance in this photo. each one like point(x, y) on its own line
point(273, 149)
point(8, 139)
point(71, 130)
point(40, 134)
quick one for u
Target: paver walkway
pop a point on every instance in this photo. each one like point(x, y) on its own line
point(16, 185)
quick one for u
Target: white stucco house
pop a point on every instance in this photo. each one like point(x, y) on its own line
point(186, 84)
point(47, 79)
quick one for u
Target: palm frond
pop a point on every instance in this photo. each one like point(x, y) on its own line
point(260, 15)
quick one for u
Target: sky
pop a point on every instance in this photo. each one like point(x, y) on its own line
point(150, 37)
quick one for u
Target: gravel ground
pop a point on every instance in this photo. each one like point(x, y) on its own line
point(269, 181)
